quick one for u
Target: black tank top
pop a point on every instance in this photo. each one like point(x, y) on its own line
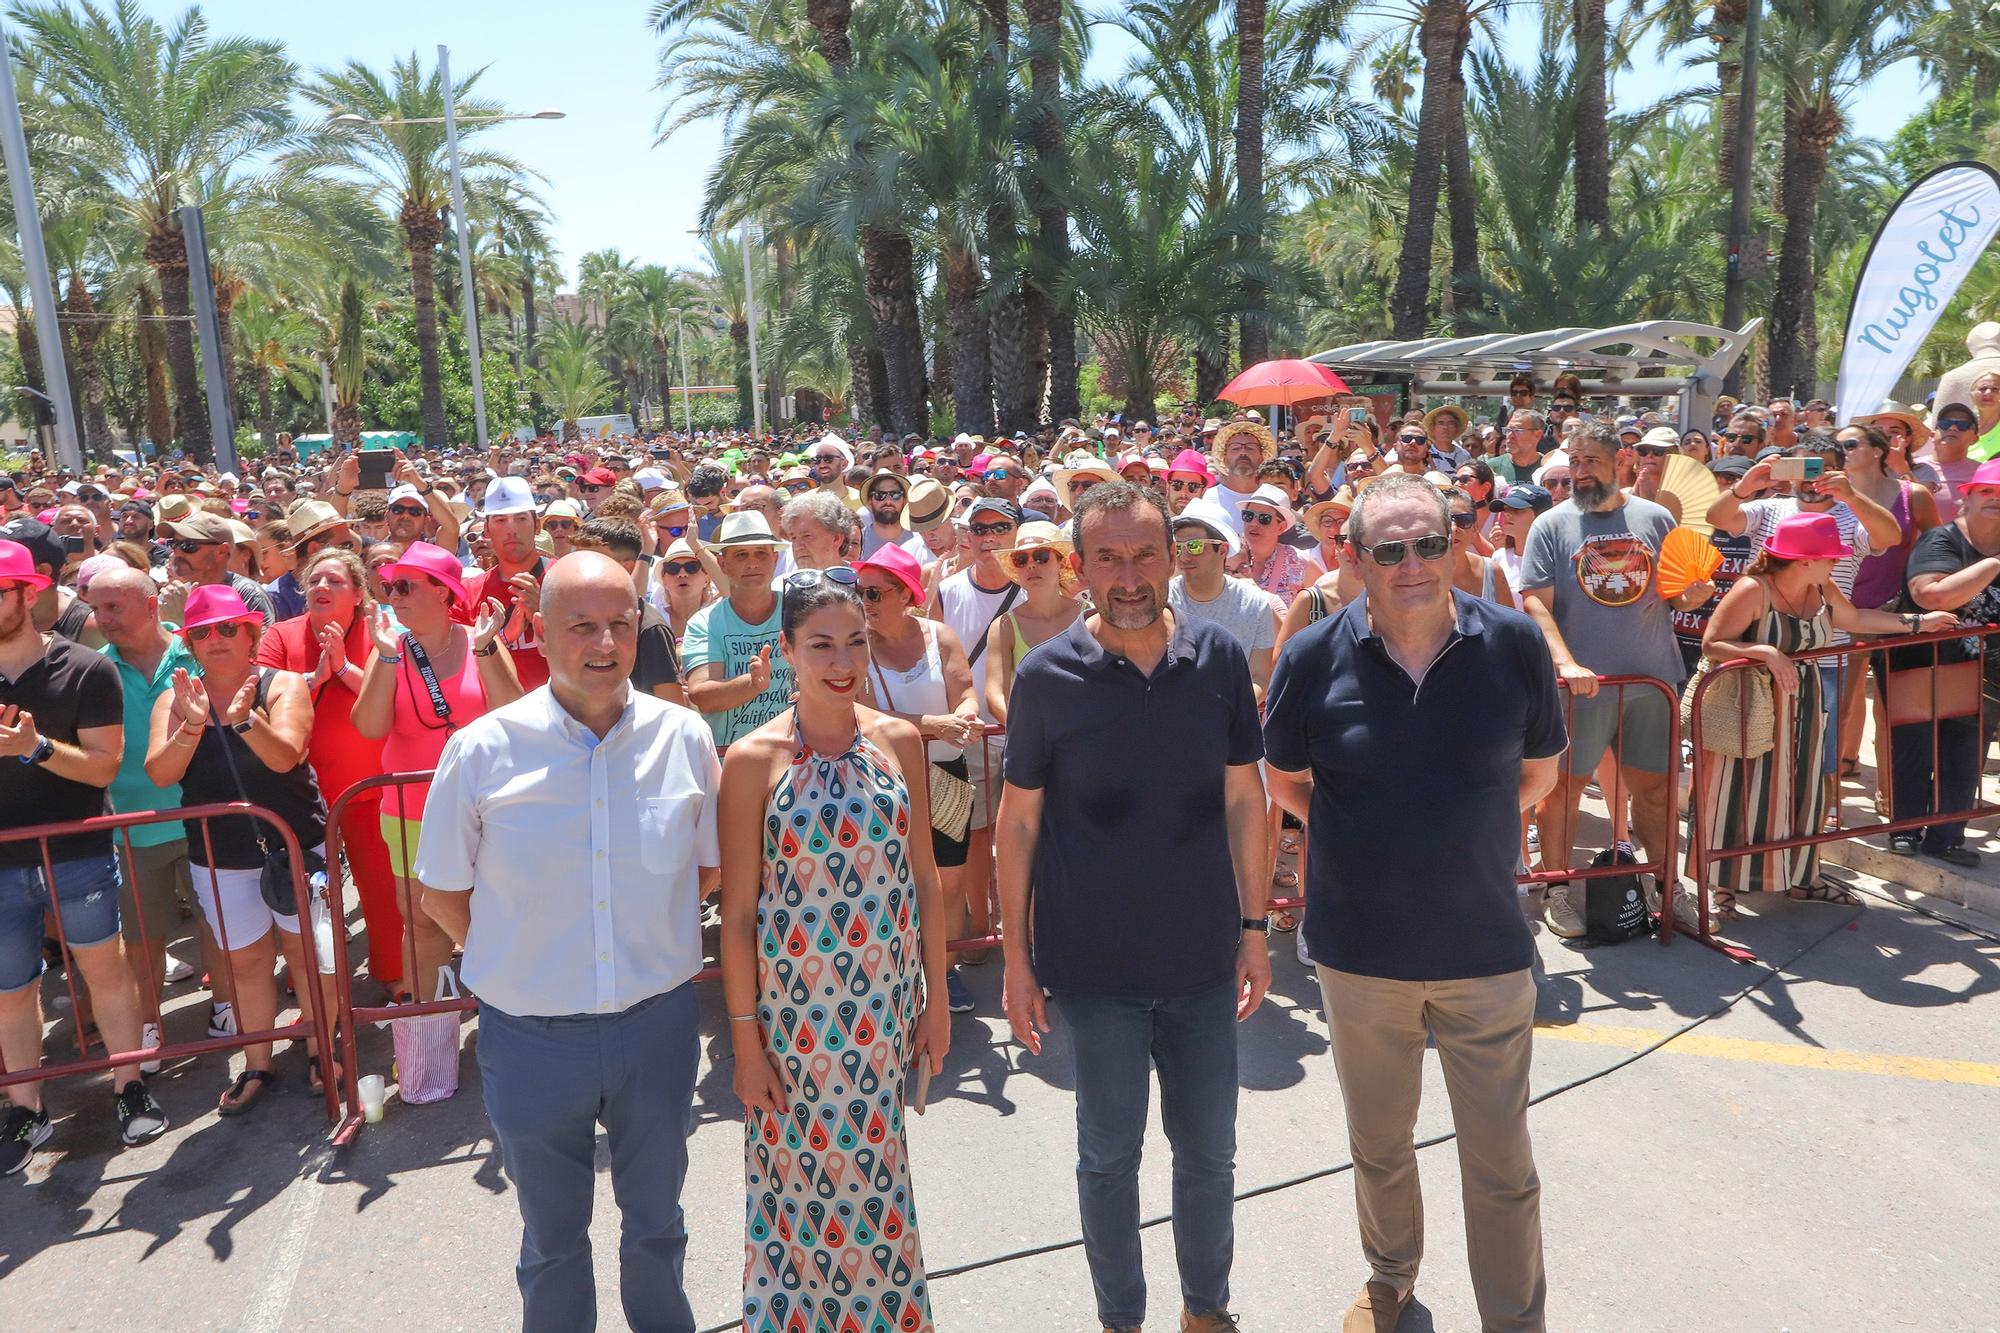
point(292, 796)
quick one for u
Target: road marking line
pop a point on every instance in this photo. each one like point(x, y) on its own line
point(1780, 1053)
point(274, 1298)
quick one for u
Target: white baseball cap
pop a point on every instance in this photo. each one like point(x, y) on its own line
point(508, 495)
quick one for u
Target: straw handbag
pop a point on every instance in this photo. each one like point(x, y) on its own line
point(1739, 718)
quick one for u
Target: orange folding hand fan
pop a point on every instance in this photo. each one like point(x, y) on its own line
point(1686, 558)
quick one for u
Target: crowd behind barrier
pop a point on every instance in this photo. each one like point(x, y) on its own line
point(337, 1045)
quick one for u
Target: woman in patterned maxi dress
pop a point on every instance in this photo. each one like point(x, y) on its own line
point(827, 968)
point(1786, 602)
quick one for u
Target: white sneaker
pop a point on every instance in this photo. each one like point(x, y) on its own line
point(149, 1035)
point(1534, 839)
point(177, 970)
point(1563, 917)
point(1687, 916)
point(222, 1019)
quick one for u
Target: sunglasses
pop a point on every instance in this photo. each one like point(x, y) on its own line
point(885, 495)
point(678, 567)
point(999, 529)
point(677, 530)
point(1656, 450)
point(227, 629)
point(1195, 486)
point(188, 546)
point(1390, 554)
point(1263, 518)
point(404, 587)
point(1197, 545)
point(89, 497)
point(1955, 424)
point(1464, 520)
point(873, 594)
point(559, 525)
point(995, 474)
point(1412, 439)
point(1740, 437)
point(409, 510)
point(1551, 483)
point(1021, 559)
point(809, 578)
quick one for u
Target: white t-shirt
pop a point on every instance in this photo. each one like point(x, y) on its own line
point(1761, 519)
point(1241, 609)
point(969, 609)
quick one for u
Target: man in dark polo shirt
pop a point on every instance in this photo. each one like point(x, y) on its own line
point(61, 732)
point(1126, 734)
point(1414, 934)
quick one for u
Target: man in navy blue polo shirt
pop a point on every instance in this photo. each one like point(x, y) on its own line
point(1418, 935)
point(1126, 733)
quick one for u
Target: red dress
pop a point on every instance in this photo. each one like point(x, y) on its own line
point(340, 757)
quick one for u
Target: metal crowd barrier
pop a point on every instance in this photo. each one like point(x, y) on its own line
point(308, 1027)
point(1702, 851)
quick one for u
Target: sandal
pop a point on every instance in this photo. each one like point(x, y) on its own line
point(1823, 892)
point(1285, 879)
point(240, 1099)
point(1289, 843)
point(317, 1083)
point(1283, 922)
point(1722, 907)
point(1850, 768)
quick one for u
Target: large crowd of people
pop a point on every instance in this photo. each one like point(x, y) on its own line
point(837, 701)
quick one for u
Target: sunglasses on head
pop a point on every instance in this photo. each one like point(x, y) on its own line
point(188, 545)
point(1263, 518)
point(1021, 559)
point(408, 510)
point(227, 629)
point(1389, 554)
point(808, 578)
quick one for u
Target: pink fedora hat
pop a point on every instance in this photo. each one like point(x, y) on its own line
point(215, 604)
point(1987, 475)
point(1808, 537)
point(899, 565)
point(17, 565)
point(432, 562)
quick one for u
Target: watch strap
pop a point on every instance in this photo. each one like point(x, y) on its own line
point(240, 727)
point(1261, 924)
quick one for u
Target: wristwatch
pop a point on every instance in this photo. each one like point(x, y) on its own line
point(488, 650)
point(1260, 924)
point(43, 749)
point(240, 727)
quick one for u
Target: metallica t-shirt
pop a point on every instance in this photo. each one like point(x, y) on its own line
point(1607, 603)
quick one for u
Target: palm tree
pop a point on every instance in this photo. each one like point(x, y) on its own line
point(404, 166)
point(574, 381)
point(1820, 51)
point(168, 111)
point(1045, 189)
point(273, 338)
point(1593, 131)
point(723, 288)
point(349, 364)
point(1255, 341)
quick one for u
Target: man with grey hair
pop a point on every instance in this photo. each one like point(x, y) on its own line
point(587, 1005)
point(823, 531)
point(1524, 440)
point(1588, 579)
point(1418, 938)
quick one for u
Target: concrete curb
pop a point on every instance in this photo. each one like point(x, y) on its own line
point(1923, 874)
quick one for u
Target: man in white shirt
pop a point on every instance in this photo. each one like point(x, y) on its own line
point(574, 827)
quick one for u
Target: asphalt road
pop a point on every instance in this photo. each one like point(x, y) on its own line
point(1815, 1152)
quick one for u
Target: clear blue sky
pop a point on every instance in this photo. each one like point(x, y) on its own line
point(607, 182)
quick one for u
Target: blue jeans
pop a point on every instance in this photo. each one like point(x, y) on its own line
point(549, 1083)
point(86, 892)
point(1191, 1040)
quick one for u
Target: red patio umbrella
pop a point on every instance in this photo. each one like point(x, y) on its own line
point(1285, 383)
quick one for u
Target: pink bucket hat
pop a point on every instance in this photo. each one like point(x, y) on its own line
point(432, 562)
point(899, 565)
point(17, 565)
point(1987, 475)
point(214, 604)
point(1808, 537)
point(1194, 463)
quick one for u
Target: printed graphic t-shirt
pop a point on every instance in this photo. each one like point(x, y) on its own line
point(1607, 604)
point(717, 634)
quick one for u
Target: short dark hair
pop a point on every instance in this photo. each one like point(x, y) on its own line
point(619, 536)
point(1118, 497)
point(708, 479)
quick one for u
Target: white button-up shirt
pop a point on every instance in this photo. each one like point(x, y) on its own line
point(583, 854)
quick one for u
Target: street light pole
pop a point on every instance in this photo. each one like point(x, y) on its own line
point(471, 297)
point(35, 258)
point(687, 402)
point(750, 313)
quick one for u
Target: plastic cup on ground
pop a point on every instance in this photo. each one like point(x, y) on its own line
point(374, 1091)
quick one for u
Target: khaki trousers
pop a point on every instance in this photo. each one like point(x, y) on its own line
point(1484, 1029)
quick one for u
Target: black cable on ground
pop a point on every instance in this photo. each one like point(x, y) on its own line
point(1766, 972)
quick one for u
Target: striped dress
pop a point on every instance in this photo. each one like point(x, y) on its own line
point(1778, 795)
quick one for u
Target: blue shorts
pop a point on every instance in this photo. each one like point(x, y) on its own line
point(87, 894)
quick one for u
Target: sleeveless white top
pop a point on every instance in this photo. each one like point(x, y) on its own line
point(919, 690)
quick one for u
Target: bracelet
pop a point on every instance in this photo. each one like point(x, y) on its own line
point(392, 660)
point(743, 1018)
point(1915, 622)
